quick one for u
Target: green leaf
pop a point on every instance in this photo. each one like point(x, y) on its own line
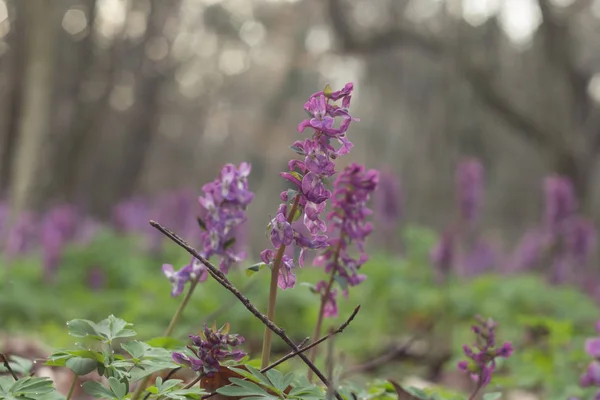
point(119, 388)
point(97, 390)
point(255, 268)
point(258, 376)
point(82, 328)
point(241, 387)
point(30, 386)
point(288, 379)
point(81, 366)
point(201, 223)
point(135, 348)
point(20, 365)
point(276, 378)
point(492, 396)
point(297, 150)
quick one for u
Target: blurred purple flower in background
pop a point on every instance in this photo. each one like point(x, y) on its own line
point(388, 201)
point(389, 210)
point(23, 235)
point(469, 185)
point(96, 278)
point(560, 201)
point(131, 216)
point(481, 258)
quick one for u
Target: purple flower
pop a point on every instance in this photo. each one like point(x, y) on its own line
point(22, 236)
point(210, 348)
point(580, 239)
point(282, 232)
point(469, 181)
point(389, 201)
point(353, 189)
point(560, 201)
point(194, 270)
point(286, 278)
point(224, 203)
point(482, 356)
point(330, 309)
point(592, 347)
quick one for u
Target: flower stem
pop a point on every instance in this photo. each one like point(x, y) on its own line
point(169, 331)
point(324, 298)
point(266, 350)
point(72, 388)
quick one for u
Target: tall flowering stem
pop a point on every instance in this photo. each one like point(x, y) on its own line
point(309, 196)
point(352, 190)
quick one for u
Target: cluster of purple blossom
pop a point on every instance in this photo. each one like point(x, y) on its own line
point(353, 188)
point(224, 205)
point(483, 354)
point(309, 198)
point(210, 348)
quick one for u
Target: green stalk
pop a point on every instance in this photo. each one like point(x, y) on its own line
point(72, 388)
point(266, 350)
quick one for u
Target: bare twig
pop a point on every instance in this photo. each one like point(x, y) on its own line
point(302, 349)
point(4, 360)
point(223, 281)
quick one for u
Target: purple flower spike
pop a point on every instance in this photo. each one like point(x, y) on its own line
point(483, 354)
point(353, 189)
point(469, 180)
point(309, 177)
point(560, 201)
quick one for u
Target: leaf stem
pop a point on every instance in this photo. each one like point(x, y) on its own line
point(72, 388)
point(266, 350)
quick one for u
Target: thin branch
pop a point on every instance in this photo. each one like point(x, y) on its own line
point(4, 360)
point(223, 281)
point(302, 349)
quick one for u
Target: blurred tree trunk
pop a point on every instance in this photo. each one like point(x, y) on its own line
point(13, 64)
point(31, 178)
point(76, 59)
point(147, 60)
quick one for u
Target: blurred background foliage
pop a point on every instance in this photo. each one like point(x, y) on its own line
point(114, 112)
